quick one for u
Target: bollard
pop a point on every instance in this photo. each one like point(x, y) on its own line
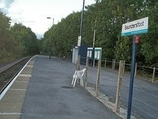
point(119, 83)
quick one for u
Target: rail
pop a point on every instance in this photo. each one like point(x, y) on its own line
point(8, 72)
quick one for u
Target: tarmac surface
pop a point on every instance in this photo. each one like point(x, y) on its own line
point(42, 91)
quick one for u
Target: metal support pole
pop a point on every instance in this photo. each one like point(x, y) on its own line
point(131, 78)
point(82, 15)
point(135, 72)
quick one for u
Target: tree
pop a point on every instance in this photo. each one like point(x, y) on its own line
point(107, 17)
point(25, 39)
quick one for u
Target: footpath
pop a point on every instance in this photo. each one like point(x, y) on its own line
point(43, 91)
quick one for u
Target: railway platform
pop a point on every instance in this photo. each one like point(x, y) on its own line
point(42, 90)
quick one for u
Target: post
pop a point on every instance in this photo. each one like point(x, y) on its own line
point(50, 49)
point(153, 77)
point(78, 63)
point(132, 78)
point(93, 47)
point(124, 65)
point(113, 64)
point(135, 71)
point(98, 78)
point(119, 84)
point(105, 63)
point(87, 62)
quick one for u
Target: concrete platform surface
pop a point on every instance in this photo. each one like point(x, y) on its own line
point(43, 91)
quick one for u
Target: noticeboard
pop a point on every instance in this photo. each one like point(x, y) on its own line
point(97, 53)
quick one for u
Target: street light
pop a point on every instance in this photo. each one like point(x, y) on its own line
point(80, 36)
point(51, 35)
point(82, 14)
point(52, 20)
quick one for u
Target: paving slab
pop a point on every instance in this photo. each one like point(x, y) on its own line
point(10, 107)
point(27, 70)
point(19, 85)
point(23, 78)
point(11, 116)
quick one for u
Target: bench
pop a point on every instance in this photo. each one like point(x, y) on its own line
point(78, 75)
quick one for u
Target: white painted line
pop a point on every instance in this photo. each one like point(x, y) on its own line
point(25, 75)
point(29, 66)
point(6, 89)
point(10, 113)
point(18, 89)
point(22, 81)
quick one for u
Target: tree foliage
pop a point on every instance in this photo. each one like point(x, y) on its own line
point(16, 41)
point(107, 17)
point(25, 39)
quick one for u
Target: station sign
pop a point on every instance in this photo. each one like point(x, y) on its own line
point(135, 27)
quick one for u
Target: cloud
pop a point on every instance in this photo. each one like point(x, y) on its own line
point(5, 5)
point(34, 13)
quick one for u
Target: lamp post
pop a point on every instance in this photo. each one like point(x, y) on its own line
point(80, 36)
point(51, 35)
point(82, 14)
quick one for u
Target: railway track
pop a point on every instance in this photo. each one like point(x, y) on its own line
point(7, 74)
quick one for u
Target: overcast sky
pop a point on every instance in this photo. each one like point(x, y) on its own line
point(34, 13)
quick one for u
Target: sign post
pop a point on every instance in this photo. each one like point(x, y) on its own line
point(97, 56)
point(132, 28)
